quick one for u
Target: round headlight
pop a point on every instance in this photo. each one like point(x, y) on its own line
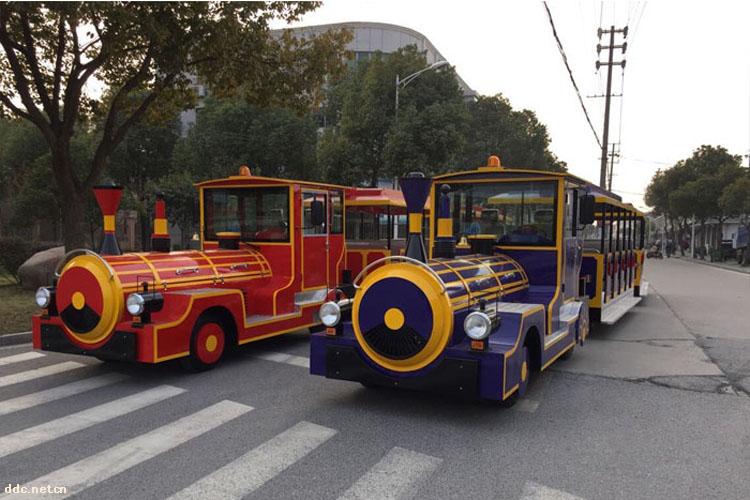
point(477, 325)
point(330, 313)
point(43, 297)
point(136, 304)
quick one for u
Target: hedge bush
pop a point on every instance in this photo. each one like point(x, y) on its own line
point(13, 252)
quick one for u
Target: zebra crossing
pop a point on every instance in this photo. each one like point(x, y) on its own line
point(397, 472)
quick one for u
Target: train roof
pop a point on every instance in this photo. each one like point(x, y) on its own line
point(494, 169)
point(245, 178)
point(376, 197)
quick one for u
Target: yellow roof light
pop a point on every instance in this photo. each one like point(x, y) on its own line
point(493, 163)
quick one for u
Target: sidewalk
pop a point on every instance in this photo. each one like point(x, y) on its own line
point(730, 265)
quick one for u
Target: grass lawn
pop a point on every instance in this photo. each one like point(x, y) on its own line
point(16, 307)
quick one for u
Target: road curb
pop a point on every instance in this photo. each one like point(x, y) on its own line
point(741, 270)
point(15, 339)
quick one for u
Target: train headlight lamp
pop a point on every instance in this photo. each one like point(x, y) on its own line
point(136, 304)
point(43, 297)
point(330, 314)
point(477, 325)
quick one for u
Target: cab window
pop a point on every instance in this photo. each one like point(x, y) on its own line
point(258, 214)
point(307, 223)
point(514, 213)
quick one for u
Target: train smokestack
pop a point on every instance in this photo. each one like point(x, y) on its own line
point(108, 198)
point(445, 244)
point(160, 241)
point(415, 188)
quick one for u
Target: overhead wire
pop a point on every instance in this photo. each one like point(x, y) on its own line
point(570, 73)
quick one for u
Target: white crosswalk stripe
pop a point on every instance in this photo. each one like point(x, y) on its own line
point(397, 475)
point(534, 491)
point(249, 472)
point(108, 463)
point(60, 392)
point(45, 371)
point(68, 424)
point(282, 357)
point(17, 358)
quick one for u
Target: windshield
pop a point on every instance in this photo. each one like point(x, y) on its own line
point(258, 214)
point(513, 213)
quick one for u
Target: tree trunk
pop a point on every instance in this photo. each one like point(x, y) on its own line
point(74, 221)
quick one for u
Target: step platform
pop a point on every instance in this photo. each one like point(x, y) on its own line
point(616, 309)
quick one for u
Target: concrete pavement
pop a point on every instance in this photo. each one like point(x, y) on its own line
point(644, 410)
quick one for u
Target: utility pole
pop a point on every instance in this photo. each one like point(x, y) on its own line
point(608, 95)
point(612, 155)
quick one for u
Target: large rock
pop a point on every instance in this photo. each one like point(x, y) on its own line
point(39, 269)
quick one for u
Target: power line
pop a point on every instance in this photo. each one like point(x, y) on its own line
point(570, 72)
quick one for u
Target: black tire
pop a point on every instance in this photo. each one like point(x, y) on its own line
point(201, 358)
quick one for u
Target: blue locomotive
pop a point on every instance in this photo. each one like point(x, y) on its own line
point(502, 295)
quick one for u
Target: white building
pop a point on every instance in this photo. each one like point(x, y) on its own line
point(367, 39)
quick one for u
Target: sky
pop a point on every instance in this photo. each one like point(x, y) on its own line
point(686, 82)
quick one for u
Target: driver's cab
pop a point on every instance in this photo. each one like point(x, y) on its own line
point(532, 216)
point(297, 226)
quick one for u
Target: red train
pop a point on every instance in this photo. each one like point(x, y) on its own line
point(272, 249)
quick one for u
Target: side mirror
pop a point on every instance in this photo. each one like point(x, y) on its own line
point(587, 212)
point(317, 213)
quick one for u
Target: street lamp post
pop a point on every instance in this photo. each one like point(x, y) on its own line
point(403, 82)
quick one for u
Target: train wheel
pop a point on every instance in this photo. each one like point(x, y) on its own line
point(207, 344)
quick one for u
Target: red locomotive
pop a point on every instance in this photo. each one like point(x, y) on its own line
point(272, 249)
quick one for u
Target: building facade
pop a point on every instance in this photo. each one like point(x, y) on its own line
point(367, 39)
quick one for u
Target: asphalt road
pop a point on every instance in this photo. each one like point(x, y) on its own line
point(654, 407)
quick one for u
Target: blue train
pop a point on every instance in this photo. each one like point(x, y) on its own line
point(517, 263)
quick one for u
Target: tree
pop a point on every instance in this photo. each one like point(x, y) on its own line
point(144, 53)
point(735, 200)
point(21, 145)
point(181, 201)
point(692, 188)
point(517, 137)
point(144, 155)
point(368, 141)
point(275, 142)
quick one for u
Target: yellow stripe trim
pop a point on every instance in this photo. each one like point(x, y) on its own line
point(160, 226)
point(445, 228)
point(415, 223)
point(109, 223)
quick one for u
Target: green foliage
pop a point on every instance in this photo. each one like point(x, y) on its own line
point(275, 142)
point(370, 142)
point(517, 137)
point(181, 199)
point(143, 53)
point(435, 130)
point(735, 199)
point(694, 185)
point(13, 252)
